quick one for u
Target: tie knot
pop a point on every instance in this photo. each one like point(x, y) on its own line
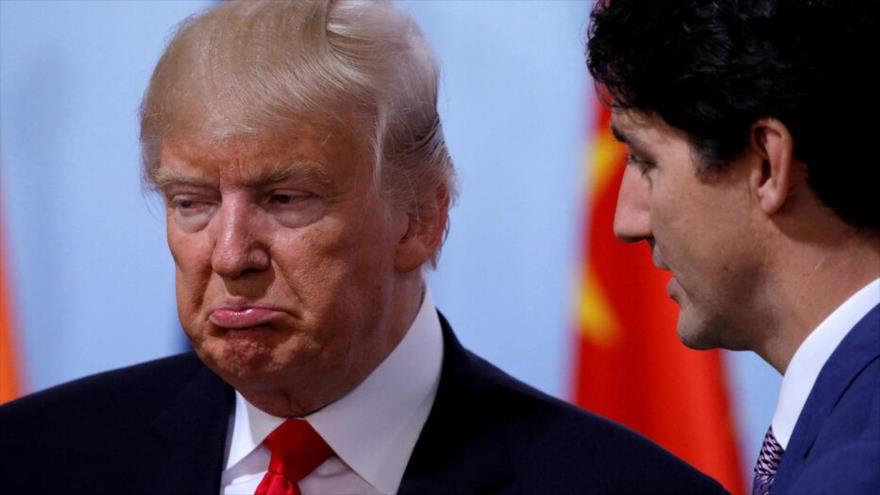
point(770, 455)
point(296, 450)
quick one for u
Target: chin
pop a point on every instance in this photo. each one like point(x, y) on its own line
point(699, 336)
point(237, 360)
point(696, 343)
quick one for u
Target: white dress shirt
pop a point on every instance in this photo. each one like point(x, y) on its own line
point(372, 430)
point(813, 353)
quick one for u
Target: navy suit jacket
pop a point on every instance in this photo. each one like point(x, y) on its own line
point(161, 427)
point(835, 445)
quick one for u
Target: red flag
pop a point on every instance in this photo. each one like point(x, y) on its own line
point(630, 365)
point(9, 385)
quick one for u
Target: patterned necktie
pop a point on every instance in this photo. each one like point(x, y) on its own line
point(768, 463)
point(296, 451)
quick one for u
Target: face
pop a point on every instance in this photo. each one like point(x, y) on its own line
point(699, 227)
point(285, 258)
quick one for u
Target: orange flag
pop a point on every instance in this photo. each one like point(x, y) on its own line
point(630, 365)
point(9, 385)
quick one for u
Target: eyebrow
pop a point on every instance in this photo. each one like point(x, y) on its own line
point(162, 178)
point(298, 170)
point(306, 171)
point(633, 143)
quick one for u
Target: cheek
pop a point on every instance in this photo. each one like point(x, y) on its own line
point(192, 260)
point(357, 237)
point(324, 258)
point(190, 251)
point(335, 265)
point(670, 221)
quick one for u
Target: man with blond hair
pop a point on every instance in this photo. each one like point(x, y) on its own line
point(299, 152)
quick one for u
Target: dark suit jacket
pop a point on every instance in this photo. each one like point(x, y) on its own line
point(835, 446)
point(160, 428)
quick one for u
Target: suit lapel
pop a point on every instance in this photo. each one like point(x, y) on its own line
point(463, 446)
point(856, 351)
point(189, 438)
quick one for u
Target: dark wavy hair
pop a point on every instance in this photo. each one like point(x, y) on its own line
point(711, 68)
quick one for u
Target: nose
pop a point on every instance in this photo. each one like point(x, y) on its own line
point(239, 248)
point(632, 218)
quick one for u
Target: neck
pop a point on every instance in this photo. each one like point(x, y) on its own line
point(810, 281)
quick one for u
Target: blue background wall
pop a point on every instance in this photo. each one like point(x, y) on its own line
point(92, 278)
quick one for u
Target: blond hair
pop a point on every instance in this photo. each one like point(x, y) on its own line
point(249, 67)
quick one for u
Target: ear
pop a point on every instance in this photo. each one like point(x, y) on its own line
point(772, 178)
point(425, 229)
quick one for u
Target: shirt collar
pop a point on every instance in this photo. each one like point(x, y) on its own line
point(373, 428)
point(813, 353)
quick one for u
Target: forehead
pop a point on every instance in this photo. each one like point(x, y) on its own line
point(327, 153)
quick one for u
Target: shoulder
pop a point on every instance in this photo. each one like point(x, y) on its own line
point(843, 456)
point(843, 408)
point(860, 400)
point(136, 382)
point(114, 431)
point(849, 468)
point(561, 446)
point(96, 403)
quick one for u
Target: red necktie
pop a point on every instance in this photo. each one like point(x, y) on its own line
point(296, 451)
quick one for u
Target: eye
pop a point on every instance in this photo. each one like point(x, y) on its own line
point(283, 199)
point(294, 208)
point(643, 165)
point(289, 199)
point(186, 205)
point(191, 212)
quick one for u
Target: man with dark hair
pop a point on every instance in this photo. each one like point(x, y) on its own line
point(750, 176)
point(306, 180)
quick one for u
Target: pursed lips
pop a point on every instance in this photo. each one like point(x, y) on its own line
point(658, 260)
point(242, 316)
